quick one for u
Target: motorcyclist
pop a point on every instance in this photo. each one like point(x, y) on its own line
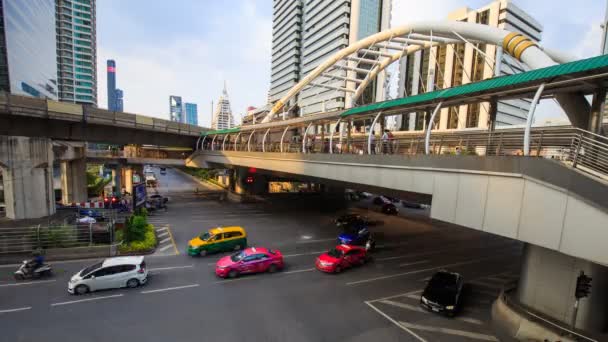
point(36, 261)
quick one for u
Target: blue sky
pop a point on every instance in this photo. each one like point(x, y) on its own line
point(189, 47)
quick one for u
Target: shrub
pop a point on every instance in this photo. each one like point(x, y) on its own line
point(135, 228)
point(146, 244)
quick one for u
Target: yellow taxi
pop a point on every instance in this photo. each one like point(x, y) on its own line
point(218, 239)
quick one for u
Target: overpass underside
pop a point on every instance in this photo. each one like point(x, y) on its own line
point(535, 200)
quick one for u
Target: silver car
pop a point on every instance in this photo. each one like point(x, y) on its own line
point(111, 273)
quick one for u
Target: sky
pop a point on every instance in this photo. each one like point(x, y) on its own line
point(190, 47)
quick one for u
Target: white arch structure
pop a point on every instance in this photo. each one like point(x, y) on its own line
point(408, 39)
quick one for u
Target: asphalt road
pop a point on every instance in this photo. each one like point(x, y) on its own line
point(185, 301)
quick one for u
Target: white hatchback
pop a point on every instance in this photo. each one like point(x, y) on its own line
point(111, 273)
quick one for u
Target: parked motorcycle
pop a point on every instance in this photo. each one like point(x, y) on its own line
point(28, 270)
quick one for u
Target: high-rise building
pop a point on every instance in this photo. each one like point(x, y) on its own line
point(222, 116)
point(119, 100)
point(305, 33)
point(111, 72)
point(191, 114)
point(175, 108)
point(28, 48)
point(453, 65)
point(286, 47)
point(77, 50)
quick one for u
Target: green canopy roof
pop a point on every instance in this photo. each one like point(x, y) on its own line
point(544, 74)
point(223, 131)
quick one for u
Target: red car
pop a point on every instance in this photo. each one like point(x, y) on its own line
point(340, 258)
point(249, 260)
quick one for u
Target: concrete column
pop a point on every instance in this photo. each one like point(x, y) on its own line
point(73, 181)
point(548, 282)
point(597, 111)
point(117, 179)
point(27, 173)
point(128, 181)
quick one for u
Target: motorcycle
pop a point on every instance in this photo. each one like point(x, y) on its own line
point(27, 271)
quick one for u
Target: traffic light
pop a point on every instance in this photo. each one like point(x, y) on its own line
point(583, 286)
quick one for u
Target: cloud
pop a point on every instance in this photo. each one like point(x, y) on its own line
point(236, 49)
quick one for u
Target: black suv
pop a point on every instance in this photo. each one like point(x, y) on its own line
point(348, 220)
point(443, 293)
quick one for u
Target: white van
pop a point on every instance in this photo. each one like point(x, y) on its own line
point(111, 273)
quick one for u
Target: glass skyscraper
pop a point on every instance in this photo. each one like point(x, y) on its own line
point(191, 114)
point(111, 72)
point(28, 52)
point(119, 101)
point(175, 109)
point(77, 50)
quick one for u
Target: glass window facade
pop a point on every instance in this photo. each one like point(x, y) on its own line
point(369, 18)
point(175, 108)
point(191, 114)
point(31, 47)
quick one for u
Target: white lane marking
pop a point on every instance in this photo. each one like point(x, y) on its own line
point(298, 271)
point(237, 279)
point(470, 320)
point(169, 268)
point(403, 306)
point(86, 300)
point(414, 263)
point(163, 234)
point(413, 296)
point(407, 294)
point(463, 333)
point(318, 240)
point(29, 283)
point(164, 248)
point(486, 284)
point(395, 322)
point(15, 310)
point(170, 288)
point(417, 271)
point(165, 240)
point(425, 279)
point(163, 229)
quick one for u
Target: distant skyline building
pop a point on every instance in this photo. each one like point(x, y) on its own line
point(191, 114)
point(111, 72)
point(119, 100)
point(28, 48)
point(76, 27)
point(306, 33)
point(453, 65)
point(175, 109)
point(222, 116)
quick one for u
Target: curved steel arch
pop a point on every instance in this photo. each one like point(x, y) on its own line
point(444, 32)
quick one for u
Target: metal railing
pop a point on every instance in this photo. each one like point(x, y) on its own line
point(577, 148)
point(27, 239)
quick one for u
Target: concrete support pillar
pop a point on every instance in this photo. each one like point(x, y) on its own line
point(128, 180)
point(74, 181)
point(27, 174)
point(597, 111)
point(117, 179)
point(548, 282)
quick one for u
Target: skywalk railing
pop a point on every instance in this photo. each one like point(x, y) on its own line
point(576, 148)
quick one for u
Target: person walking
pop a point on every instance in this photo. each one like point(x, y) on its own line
point(372, 139)
point(385, 142)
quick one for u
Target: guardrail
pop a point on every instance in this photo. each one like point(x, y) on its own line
point(48, 109)
point(577, 148)
point(27, 239)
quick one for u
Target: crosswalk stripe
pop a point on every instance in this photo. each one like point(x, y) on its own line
point(455, 332)
point(164, 248)
point(161, 229)
point(163, 234)
point(165, 240)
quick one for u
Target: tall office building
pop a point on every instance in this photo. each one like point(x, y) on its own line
point(111, 73)
point(454, 65)
point(191, 114)
point(119, 101)
point(77, 50)
point(28, 48)
point(305, 33)
point(175, 109)
point(222, 116)
point(286, 47)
